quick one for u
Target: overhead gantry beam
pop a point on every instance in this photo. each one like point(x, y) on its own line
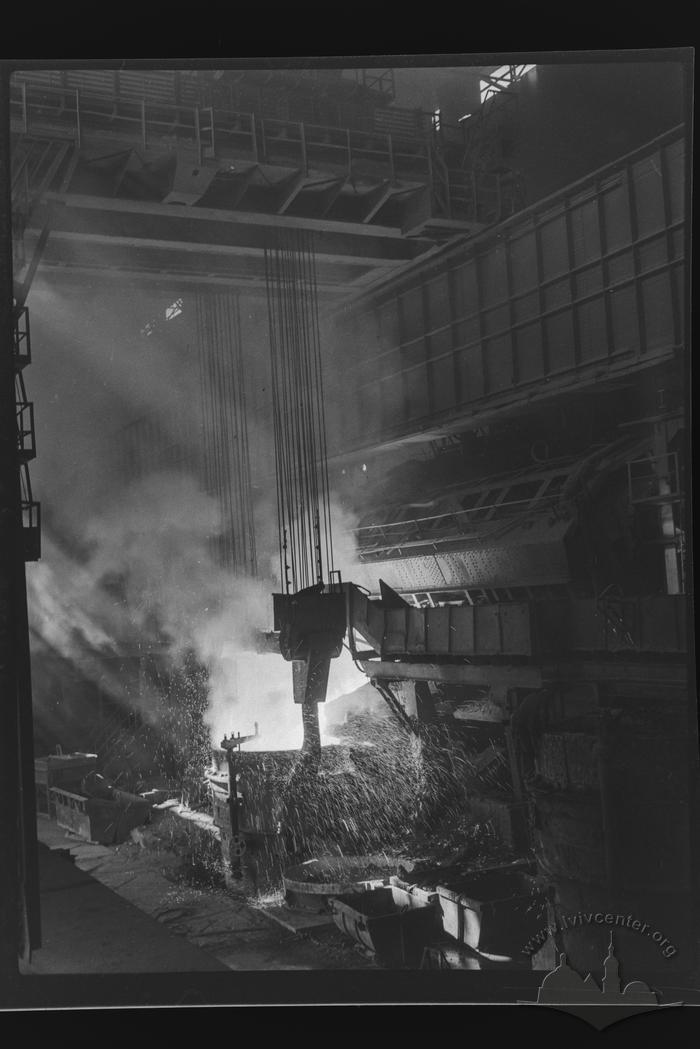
point(136, 237)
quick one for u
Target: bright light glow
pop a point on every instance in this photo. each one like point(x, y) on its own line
point(174, 310)
point(501, 79)
point(171, 311)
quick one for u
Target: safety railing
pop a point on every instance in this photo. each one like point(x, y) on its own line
point(21, 342)
point(31, 529)
point(655, 479)
point(401, 149)
point(215, 132)
point(26, 441)
point(75, 111)
point(379, 538)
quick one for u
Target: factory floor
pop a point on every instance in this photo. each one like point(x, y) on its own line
point(88, 928)
point(117, 909)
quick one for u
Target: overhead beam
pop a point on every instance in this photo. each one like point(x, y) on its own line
point(455, 674)
point(188, 247)
point(52, 272)
point(528, 676)
point(223, 226)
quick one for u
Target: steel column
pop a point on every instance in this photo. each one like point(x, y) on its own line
point(18, 898)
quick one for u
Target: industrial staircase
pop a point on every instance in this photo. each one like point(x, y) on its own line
point(36, 162)
point(26, 441)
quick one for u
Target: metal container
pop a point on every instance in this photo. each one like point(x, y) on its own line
point(391, 921)
point(310, 885)
point(59, 770)
point(494, 912)
point(97, 819)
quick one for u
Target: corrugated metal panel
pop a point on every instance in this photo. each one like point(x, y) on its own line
point(41, 77)
point(531, 558)
point(160, 87)
point(395, 121)
point(190, 88)
point(155, 87)
point(96, 81)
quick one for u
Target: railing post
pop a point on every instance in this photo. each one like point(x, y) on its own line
point(304, 160)
point(77, 117)
point(254, 136)
point(25, 113)
point(347, 132)
point(143, 123)
point(198, 136)
point(211, 118)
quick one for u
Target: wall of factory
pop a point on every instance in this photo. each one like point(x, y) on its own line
point(570, 119)
point(590, 283)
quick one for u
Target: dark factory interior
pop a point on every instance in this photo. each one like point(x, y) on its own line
point(346, 531)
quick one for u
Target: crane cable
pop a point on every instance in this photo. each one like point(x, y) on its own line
point(303, 499)
point(225, 427)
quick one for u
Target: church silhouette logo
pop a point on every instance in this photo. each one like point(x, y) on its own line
point(564, 988)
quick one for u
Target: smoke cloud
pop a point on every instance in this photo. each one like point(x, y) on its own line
point(129, 563)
